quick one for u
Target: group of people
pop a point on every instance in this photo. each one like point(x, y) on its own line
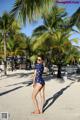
point(38, 86)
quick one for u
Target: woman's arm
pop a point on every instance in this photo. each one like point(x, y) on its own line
point(34, 75)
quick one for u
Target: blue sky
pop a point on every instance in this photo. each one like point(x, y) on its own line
point(6, 5)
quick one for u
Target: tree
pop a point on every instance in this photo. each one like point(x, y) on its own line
point(6, 29)
point(1, 48)
point(45, 34)
point(74, 55)
point(63, 52)
point(5, 23)
point(53, 39)
point(19, 45)
point(29, 9)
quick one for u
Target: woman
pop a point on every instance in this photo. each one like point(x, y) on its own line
point(38, 85)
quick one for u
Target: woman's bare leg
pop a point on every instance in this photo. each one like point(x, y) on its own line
point(42, 97)
point(36, 90)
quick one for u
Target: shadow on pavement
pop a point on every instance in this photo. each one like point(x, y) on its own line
point(8, 91)
point(25, 82)
point(52, 99)
point(19, 75)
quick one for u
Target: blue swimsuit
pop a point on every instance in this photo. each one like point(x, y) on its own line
point(39, 71)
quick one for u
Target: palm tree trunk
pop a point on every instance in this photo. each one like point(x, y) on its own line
point(59, 71)
point(5, 61)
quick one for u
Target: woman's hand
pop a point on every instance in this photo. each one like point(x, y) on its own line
point(33, 85)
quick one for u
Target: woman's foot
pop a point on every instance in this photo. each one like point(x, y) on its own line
point(41, 112)
point(36, 112)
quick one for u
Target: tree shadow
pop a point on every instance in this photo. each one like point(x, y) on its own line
point(19, 75)
point(25, 82)
point(74, 77)
point(54, 97)
point(11, 90)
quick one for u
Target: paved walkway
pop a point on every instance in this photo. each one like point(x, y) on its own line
point(62, 98)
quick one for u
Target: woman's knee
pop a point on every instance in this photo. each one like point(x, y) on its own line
point(33, 95)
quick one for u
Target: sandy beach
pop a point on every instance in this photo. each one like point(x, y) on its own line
point(62, 97)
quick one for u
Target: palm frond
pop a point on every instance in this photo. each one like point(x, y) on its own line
point(44, 39)
point(29, 9)
point(39, 30)
point(74, 19)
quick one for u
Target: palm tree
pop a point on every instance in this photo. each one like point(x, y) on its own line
point(45, 33)
point(51, 23)
point(51, 39)
point(74, 55)
point(5, 22)
point(6, 29)
point(1, 47)
point(19, 45)
point(29, 9)
point(61, 50)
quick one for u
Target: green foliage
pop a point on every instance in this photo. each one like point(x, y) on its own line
point(53, 40)
point(30, 9)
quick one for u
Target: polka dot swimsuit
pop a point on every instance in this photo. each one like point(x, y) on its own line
point(39, 71)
